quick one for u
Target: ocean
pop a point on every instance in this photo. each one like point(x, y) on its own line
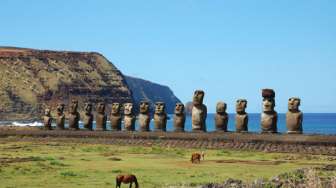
point(313, 123)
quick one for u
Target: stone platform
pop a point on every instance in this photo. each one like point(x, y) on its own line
point(284, 143)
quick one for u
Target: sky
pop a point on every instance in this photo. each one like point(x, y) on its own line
point(229, 48)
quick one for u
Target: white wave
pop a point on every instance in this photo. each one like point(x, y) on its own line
point(34, 124)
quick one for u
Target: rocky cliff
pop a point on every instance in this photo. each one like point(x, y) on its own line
point(152, 92)
point(32, 79)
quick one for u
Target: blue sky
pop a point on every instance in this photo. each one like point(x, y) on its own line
point(230, 49)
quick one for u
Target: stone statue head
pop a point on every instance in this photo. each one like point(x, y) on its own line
point(101, 108)
point(221, 107)
point(198, 97)
point(144, 107)
point(88, 108)
point(268, 104)
point(293, 104)
point(47, 112)
point(128, 108)
point(73, 106)
point(116, 107)
point(60, 108)
point(241, 105)
point(160, 108)
point(179, 108)
point(268, 93)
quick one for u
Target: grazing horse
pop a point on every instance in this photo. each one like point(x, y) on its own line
point(129, 178)
point(195, 157)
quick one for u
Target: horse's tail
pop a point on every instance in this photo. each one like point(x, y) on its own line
point(136, 182)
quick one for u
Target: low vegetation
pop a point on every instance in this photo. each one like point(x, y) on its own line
point(62, 165)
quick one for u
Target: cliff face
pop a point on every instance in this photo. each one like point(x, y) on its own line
point(32, 79)
point(152, 92)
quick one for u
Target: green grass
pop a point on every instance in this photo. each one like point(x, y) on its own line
point(88, 165)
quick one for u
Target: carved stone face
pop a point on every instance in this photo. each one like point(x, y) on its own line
point(179, 108)
point(268, 104)
point(101, 108)
point(241, 105)
point(160, 108)
point(60, 108)
point(198, 97)
point(221, 107)
point(73, 106)
point(115, 108)
point(128, 108)
point(293, 104)
point(88, 108)
point(47, 112)
point(144, 107)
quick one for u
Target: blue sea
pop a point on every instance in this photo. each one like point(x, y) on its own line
point(313, 123)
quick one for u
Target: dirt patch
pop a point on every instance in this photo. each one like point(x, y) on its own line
point(115, 159)
point(260, 162)
point(8, 160)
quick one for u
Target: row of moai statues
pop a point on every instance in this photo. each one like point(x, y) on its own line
point(269, 116)
point(129, 117)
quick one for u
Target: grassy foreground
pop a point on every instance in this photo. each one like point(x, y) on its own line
point(63, 165)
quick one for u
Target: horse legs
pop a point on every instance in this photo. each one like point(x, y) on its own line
point(131, 185)
point(117, 184)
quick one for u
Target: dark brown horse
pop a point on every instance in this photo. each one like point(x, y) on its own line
point(126, 179)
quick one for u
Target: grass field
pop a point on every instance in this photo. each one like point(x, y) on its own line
point(64, 165)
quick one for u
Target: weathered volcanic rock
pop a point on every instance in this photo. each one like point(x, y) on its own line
point(31, 79)
point(151, 92)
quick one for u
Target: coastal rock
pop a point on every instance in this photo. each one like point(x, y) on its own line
point(32, 80)
point(151, 92)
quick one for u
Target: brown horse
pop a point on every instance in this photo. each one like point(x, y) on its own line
point(126, 179)
point(196, 157)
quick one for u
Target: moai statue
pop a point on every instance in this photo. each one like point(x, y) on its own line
point(101, 117)
point(144, 116)
point(179, 117)
point(160, 117)
point(60, 117)
point(74, 115)
point(221, 118)
point(115, 117)
point(269, 116)
point(88, 116)
point(241, 116)
point(198, 112)
point(129, 118)
point(47, 119)
point(294, 116)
